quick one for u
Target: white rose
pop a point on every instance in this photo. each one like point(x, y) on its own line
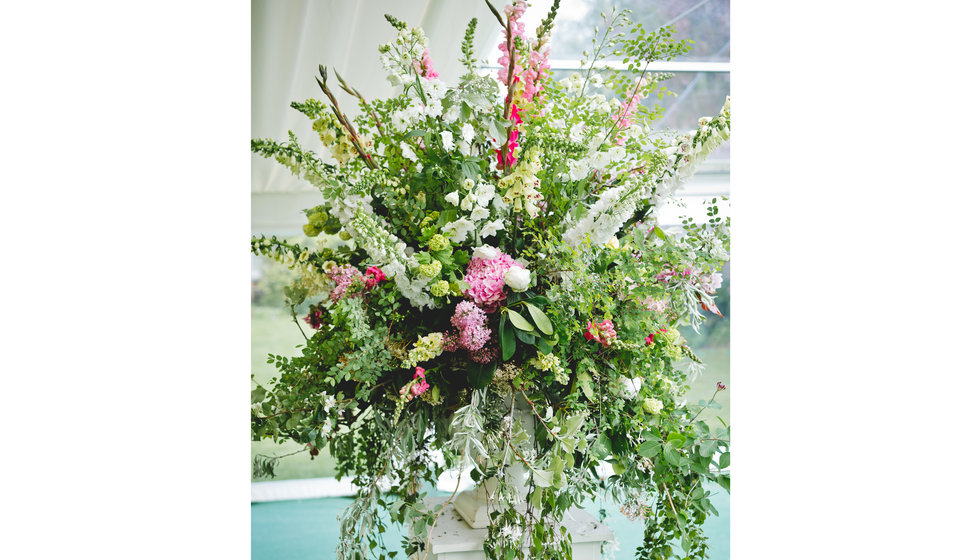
point(517, 278)
point(486, 252)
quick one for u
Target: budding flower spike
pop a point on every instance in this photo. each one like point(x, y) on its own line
point(490, 287)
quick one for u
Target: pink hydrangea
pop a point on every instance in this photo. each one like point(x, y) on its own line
point(603, 333)
point(486, 278)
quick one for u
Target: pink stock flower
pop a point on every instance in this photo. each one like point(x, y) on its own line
point(344, 277)
point(424, 67)
point(486, 280)
point(603, 333)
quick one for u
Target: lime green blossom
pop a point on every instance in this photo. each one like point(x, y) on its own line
point(430, 270)
point(552, 363)
point(652, 405)
point(438, 242)
point(440, 288)
point(426, 348)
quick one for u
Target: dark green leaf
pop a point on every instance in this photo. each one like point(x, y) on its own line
point(508, 345)
point(648, 449)
point(479, 375)
point(724, 460)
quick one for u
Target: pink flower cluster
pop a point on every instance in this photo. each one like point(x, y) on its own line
point(515, 116)
point(419, 386)
point(471, 333)
point(345, 277)
point(486, 280)
point(424, 67)
point(603, 333)
point(514, 13)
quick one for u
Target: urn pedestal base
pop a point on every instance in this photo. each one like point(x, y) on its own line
point(454, 539)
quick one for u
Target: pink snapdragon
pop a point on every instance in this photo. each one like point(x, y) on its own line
point(421, 386)
point(485, 275)
point(603, 333)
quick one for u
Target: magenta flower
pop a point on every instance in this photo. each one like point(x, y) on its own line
point(373, 276)
point(721, 386)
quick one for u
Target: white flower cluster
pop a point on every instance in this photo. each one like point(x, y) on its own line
point(397, 57)
point(389, 253)
point(476, 200)
point(690, 150)
point(608, 214)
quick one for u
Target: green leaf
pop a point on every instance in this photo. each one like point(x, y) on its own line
point(540, 319)
point(526, 337)
point(545, 346)
point(519, 321)
point(258, 394)
point(542, 478)
point(725, 482)
point(724, 460)
point(677, 440)
point(507, 343)
point(479, 375)
point(414, 133)
point(584, 382)
point(602, 447)
point(672, 456)
point(648, 448)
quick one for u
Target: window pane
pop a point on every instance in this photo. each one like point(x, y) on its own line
point(706, 22)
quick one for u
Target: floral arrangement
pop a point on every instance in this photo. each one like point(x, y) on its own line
point(494, 245)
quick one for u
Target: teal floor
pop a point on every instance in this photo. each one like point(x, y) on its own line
point(308, 529)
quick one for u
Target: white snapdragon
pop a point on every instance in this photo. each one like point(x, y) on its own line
point(517, 278)
point(447, 140)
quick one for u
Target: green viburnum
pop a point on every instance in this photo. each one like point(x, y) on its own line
point(438, 242)
point(440, 288)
